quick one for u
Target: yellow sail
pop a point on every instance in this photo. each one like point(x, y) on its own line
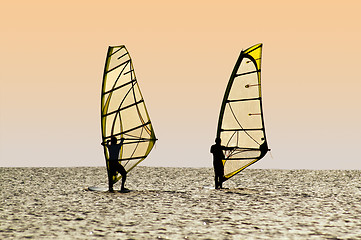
point(123, 111)
point(240, 121)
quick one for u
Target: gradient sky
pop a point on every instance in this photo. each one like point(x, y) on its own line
point(53, 54)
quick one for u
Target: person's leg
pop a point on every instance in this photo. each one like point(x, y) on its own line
point(110, 180)
point(124, 176)
point(216, 182)
point(221, 175)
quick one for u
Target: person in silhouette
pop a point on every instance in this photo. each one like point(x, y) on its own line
point(218, 155)
point(114, 165)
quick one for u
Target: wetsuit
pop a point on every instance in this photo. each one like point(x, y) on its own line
point(114, 165)
point(218, 156)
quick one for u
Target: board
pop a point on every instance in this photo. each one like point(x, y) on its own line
point(98, 189)
point(105, 189)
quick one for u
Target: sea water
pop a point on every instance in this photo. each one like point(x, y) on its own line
point(180, 203)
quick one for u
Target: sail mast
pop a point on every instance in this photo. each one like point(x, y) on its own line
point(229, 85)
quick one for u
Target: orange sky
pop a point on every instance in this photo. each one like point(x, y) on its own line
point(53, 54)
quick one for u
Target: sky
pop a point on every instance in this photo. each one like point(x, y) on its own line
point(52, 56)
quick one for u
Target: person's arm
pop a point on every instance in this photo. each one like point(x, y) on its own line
point(228, 148)
point(105, 143)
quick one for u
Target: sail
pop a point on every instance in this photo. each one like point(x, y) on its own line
point(240, 121)
point(123, 111)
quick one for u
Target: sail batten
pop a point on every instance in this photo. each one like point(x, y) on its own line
point(125, 54)
point(121, 86)
point(240, 100)
point(123, 108)
point(242, 129)
point(123, 111)
point(116, 51)
point(240, 122)
point(246, 73)
point(124, 63)
point(130, 71)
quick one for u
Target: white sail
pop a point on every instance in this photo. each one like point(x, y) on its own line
point(241, 122)
point(123, 111)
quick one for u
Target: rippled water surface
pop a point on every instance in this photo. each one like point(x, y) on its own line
point(179, 203)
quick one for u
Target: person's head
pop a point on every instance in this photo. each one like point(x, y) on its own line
point(113, 140)
point(218, 140)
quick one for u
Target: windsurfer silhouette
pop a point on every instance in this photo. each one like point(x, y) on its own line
point(114, 165)
point(218, 156)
